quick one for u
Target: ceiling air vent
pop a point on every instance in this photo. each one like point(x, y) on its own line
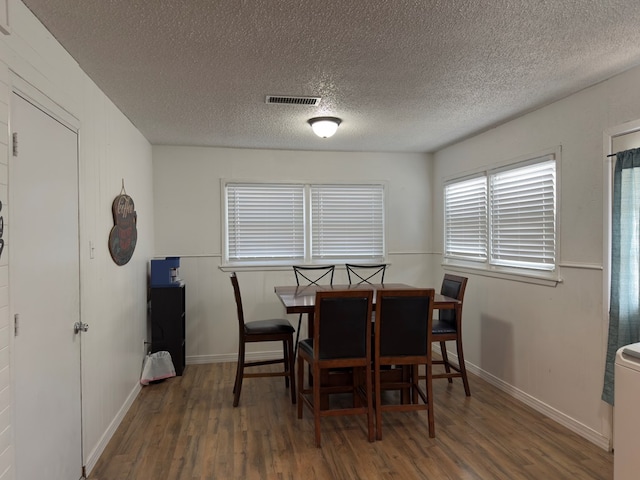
point(290, 100)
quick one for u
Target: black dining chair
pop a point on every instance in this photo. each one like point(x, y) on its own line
point(341, 339)
point(311, 275)
point(448, 327)
point(403, 339)
point(370, 274)
point(272, 330)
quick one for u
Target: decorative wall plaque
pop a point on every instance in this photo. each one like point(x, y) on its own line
point(124, 234)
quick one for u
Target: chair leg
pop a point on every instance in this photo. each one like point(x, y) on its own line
point(378, 402)
point(316, 404)
point(462, 367)
point(291, 368)
point(445, 358)
point(295, 345)
point(286, 354)
point(300, 385)
point(370, 412)
point(430, 413)
point(239, 374)
point(415, 381)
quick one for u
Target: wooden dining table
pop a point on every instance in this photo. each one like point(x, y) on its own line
point(302, 298)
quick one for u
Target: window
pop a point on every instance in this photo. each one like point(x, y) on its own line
point(504, 217)
point(347, 222)
point(303, 223)
point(265, 222)
point(465, 207)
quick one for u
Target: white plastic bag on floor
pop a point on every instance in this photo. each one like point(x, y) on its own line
point(157, 366)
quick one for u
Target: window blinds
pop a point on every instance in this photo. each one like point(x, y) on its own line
point(265, 221)
point(347, 221)
point(465, 205)
point(522, 208)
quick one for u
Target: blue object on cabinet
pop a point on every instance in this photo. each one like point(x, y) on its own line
point(164, 273)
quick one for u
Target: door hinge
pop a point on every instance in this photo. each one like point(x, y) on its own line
point(14, 143)
point(16, 320)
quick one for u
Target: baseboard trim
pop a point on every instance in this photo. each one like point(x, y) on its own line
point(95, 454)
point(566, 421)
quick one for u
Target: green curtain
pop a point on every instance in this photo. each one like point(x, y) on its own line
point(624, 312)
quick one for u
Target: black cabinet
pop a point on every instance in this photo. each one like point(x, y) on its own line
point(168, 323)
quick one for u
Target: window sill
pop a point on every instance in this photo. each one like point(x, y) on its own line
point(287, 265)
point(547, 279)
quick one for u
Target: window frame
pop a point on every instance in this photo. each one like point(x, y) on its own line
point(307, 258)
point(488, 267)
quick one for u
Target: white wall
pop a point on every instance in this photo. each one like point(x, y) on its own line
point(547, 345)
point(187, 202)
point(113, 299)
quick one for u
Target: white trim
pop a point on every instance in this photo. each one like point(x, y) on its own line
point(39, 99)
point(506, 274)
point(95, 454)
point(547, 410)
point(584, 266)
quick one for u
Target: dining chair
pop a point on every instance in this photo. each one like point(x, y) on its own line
point(371, 274)
point(448, 327)
point(272, 330)
point(341, 339)
point(403, 339)
point(316, 275)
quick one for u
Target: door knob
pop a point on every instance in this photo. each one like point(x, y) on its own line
point(80, 327)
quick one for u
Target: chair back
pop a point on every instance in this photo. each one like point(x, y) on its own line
point(404, 320)
point(236, 291)
point(371, 274)
point(314, 275)
point(343, 324)
point(452, 286)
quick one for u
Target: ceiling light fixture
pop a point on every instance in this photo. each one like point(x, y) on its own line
point(324, 127)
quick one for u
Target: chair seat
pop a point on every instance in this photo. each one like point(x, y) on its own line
point(307, 346)
point(440, 327)
point(271, 326)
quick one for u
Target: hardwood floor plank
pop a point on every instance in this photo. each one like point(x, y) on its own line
point(186, 428)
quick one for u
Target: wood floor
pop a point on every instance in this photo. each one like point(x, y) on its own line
point(186, 428)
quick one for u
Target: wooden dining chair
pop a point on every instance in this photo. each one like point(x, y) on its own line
point(272, 330)
point(370, 274)
point(341, 339)
point(448, 327)
point(403, 339)
point(316, 275)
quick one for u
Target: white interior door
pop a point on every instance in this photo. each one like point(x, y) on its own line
point(44, 292)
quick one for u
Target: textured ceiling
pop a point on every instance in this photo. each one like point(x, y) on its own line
point(403, 75)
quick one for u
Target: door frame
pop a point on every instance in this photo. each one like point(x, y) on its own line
point(31, 94)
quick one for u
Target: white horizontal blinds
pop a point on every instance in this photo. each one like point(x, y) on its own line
point(265, 221)
point(347, 221)
point(465, 218)
point(522, 209)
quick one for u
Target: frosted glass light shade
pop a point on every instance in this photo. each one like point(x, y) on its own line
point(324, 127)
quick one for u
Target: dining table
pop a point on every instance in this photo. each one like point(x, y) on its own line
point(301, 299)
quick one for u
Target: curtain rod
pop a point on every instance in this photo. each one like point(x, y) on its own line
point(614, 154)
